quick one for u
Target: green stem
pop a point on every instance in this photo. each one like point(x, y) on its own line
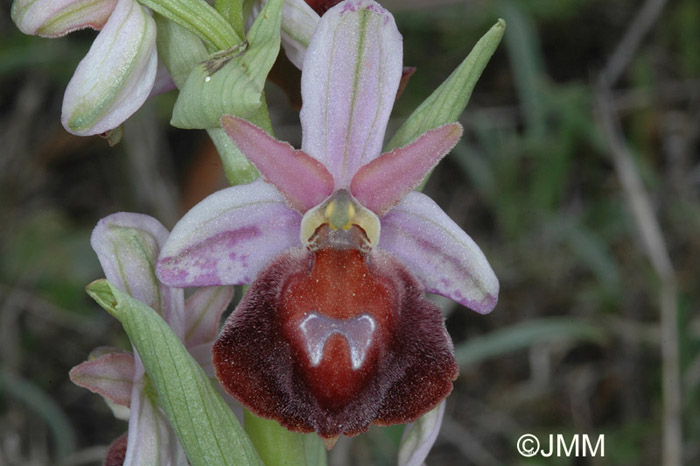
point(276, 445)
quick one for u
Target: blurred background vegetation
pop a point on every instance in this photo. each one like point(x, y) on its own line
point(579, 176)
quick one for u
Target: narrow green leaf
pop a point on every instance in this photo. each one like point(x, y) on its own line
point(524, 335)
point(205, 425)
point(448, 101)
point(276, 445)
point(199, 17)
point(231, 82)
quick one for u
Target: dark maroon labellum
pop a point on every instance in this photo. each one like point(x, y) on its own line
point(333, 340)
point(321, 6)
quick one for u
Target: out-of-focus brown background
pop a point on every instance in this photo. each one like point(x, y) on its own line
point(579, 176)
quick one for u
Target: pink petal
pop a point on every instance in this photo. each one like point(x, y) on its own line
point(303, 180)
point(127, 246)
point(380, 184)
point(419, 437)
point(55, 18)
point(109, 375)
point(351, 74)
point(439, 252)
point(203, 313)
point(116, 76)
point(229, 237)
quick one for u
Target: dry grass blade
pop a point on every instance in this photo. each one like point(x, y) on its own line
point(655, 248)
point(628, 45)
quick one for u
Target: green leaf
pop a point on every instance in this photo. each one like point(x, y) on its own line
point(179, 49)
point(525, 335)
point(205, 425)
point(448, 101)
point(231, 82)
point(200, 18)
point(276, 445)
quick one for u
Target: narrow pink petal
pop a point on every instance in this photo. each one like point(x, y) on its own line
point(419, 437)
point(116, 76)
point(351, 74)
point(229, 237)
point(109, 375)
point(303, 180)
point(127, 245)
point(55, 18)
point(439, 252)
point(203, 313)
point(380, 184)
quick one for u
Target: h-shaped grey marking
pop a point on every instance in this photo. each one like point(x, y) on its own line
point(358, 332)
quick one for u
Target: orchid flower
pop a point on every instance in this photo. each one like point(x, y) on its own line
point(127, 246)
point(116, 76)
point(335, 332)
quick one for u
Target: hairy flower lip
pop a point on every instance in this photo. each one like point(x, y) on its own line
point(418, 374)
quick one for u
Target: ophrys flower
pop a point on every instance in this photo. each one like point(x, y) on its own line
point(335, 332)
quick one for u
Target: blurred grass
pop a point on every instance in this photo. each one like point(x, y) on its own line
point(41, 404)
point(525, 335)
point(573, 346)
